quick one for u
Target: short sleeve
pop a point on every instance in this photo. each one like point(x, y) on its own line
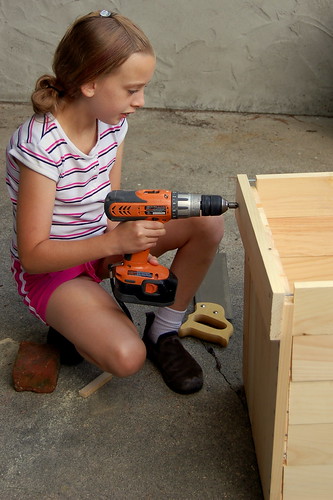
point(35, 157)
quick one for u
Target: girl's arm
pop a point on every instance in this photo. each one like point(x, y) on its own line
point(115, 178)
point(39, 254)
point(115, 174)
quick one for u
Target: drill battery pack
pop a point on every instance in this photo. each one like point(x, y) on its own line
point(148, 291)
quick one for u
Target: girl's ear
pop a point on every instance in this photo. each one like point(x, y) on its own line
point(88, 89)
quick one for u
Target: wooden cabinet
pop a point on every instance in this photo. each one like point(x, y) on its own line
point(286, 225)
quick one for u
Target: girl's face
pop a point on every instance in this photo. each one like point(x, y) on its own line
point(113, 97)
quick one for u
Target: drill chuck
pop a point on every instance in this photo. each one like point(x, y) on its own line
point(194, 205)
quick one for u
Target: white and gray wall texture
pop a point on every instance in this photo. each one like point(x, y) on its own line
point(262, 56)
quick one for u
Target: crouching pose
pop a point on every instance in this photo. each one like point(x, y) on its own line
point(61, 163)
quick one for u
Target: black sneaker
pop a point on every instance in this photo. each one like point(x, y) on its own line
point(179, 370)
point(68, 354)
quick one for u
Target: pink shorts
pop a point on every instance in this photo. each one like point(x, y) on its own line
point(36, 289)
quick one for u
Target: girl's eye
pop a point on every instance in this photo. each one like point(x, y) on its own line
point(132, 91)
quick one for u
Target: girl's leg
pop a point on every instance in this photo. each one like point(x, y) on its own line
point(83, 312)
point(196, 240)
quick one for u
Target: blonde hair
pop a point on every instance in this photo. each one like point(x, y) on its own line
point(93, 45)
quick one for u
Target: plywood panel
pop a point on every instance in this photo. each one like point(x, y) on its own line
point(312, 357)
point(297, 195)
point(307, 268)
point(308, 482)
point(313, 308)
point(311, 403)
point(302, 236)
point(260, 380)
point(281, 406)
point(249, 337)
point(266, 377)
point(269, 283)
point(310, 444)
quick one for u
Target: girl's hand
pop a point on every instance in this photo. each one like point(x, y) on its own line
point(136, 236)
point(152, 260)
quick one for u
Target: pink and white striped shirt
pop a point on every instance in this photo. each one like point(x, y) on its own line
point(82, 181)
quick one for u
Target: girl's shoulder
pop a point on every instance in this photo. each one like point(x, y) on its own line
point(36, 130)
point(35, 144)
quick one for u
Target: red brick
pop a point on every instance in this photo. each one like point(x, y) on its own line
point(36, 367)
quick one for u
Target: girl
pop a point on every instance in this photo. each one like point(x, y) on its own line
point(61, 164)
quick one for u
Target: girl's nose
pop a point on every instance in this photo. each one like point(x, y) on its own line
point(138, 99)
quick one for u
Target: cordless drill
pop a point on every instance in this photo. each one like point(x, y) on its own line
point(135, 279)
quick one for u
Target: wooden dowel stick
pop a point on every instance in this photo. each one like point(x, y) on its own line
point(95, 384)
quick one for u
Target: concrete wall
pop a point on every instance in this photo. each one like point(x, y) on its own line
point(270, 56)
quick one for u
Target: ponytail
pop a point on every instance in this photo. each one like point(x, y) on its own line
point(46, 96)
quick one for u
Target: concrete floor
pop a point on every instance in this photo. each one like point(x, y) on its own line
point(134, 438)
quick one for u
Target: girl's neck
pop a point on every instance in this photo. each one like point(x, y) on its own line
point(79, 127)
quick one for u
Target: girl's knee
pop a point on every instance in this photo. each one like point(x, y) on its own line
point(131, 360)
point(126, 359)
point(209, 229)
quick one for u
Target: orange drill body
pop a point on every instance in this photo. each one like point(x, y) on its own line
point(143, 204)
point(135, 279)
